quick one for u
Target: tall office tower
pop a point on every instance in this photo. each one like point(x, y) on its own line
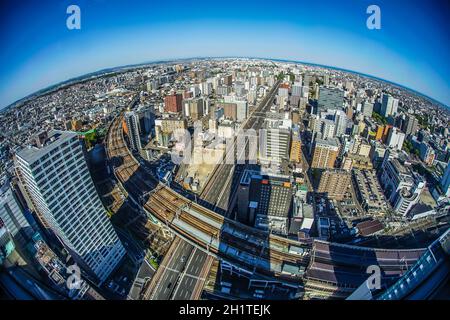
point(297, 89)
point(367, 109)
point(173, 103)
point(325, 153)
point(57, 181)
point(445, 181)
point(132, 122)
point(274, 140)
point(411, 125)
point(330, 98)
point(389, 105)
point(334, 183)
point(396, 139)
point(14, 215)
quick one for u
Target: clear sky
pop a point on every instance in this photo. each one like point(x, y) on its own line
point(37, 50)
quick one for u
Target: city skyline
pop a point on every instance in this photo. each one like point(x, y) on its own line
point(321, 34)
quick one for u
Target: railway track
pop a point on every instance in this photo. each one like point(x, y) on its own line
point(166, 204)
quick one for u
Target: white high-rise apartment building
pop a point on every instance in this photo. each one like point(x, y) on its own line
point(57, 181)
point(396, 139)
point(389, 105)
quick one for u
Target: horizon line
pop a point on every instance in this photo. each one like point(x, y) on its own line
point(84, 76)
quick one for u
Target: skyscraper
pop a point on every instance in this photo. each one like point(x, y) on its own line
point(132, 122)
point(57, 181)
point(389, 105)
point(411, 125)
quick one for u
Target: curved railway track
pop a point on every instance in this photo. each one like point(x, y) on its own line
point(166, 205)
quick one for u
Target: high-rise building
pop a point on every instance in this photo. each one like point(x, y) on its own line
point(402, 186)
point(396, 139)
point(389, 105)
point(146, 119)
point(334, 183)
point(57, 181)
point(242, 109)
point(275, 140)
point(328, 128)
point(173, 103)
point(132, 123)
point(325, 153)
point(330, 98)
point(367, 109)
point(410, 125)
point(265, 201)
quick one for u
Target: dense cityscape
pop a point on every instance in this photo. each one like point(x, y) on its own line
point(295, 180)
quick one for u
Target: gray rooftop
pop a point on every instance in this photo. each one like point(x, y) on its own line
point(55, 138)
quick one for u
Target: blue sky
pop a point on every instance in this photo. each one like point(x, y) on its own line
point(37, 50)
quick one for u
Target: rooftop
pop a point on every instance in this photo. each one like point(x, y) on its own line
point(55, 139)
